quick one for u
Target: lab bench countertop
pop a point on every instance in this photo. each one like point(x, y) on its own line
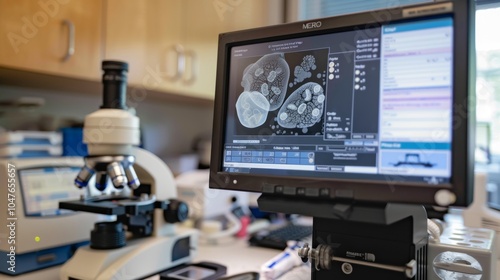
point(235, 254)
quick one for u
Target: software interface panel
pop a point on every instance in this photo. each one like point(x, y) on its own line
point(358, 104)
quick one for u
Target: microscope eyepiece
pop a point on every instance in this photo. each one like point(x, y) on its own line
point(114, 65)
point(114, 81)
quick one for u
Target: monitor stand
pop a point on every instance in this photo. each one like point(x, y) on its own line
point(360, 241)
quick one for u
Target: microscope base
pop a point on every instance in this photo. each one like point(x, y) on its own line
point(140, 258)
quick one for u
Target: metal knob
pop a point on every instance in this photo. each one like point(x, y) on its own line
point(321, 256)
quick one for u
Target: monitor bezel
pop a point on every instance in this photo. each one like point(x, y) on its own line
point(360, 190)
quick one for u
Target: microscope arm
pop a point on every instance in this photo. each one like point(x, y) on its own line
point(149, 169)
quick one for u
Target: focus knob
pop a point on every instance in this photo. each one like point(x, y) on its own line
point(177, 211)
point(107, 235)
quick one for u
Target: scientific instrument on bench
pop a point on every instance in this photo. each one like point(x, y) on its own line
point(143, 197)
point(31, 189)
point(210, 209)
point(479, 214)
point(315, 115)
point(460, 252)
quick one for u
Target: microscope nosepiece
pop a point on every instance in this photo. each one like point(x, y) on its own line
point(117, 175)
point(133, 181)
point(83, 177)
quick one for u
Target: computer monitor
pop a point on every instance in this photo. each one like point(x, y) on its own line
point(42, 189)
point(370, 107)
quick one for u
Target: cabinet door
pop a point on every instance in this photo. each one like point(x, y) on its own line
point(205, 20)
point(38, 36)
point(143, 33)
point(171, 45)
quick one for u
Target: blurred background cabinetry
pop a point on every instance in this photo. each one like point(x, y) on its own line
point(52, 37)
point(172, 45)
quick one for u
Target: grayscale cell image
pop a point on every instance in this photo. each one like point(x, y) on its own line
point(269, 76)
point(304, 70)
point(252, 109)
point(303, 108)
point(270, 100)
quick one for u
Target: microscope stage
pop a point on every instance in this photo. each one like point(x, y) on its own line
point(110, 205)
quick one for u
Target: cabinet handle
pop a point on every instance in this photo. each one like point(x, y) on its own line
point(190, 76)
point(180, 63)
point(71, 39)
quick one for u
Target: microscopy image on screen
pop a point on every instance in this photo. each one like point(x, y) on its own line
point(304, 69)
point(269, 76)
point(252, 109)
point(303, 108)
point(282, 94)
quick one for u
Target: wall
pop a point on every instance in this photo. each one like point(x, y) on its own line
point(168, 129)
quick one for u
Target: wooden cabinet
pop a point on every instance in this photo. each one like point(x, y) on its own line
point(60, 37)
point(142, 33)
point(171, 46)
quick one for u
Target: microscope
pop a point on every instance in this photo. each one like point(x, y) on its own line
point(134, 186)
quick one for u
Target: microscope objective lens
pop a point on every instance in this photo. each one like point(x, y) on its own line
point(83, 177)
point(100, 181)
point(117, 175)
point(133, 181)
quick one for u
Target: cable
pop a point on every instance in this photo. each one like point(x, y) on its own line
point(232, 230)
point(434, 231)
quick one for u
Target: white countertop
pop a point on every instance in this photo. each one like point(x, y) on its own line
point(236, 255)
point(233, 253)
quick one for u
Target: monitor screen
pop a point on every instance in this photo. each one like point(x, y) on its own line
point(43, 188)
point(345, 107)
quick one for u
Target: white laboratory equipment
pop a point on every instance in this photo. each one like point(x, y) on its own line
point(38, 234)
point(478, 214)
point(207, 206)
point(143, 239)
